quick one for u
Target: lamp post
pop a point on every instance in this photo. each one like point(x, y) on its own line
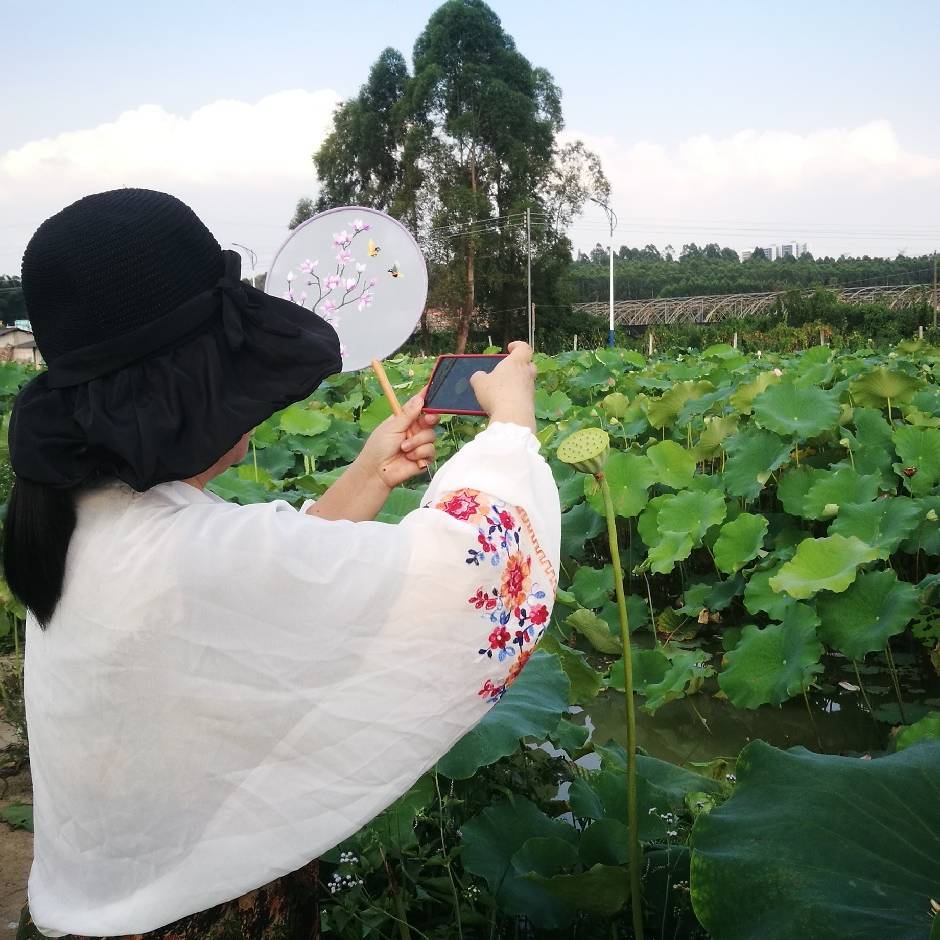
point(612, 219)
point(252, 256)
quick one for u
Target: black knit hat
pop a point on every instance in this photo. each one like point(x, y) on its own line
point(160, 359)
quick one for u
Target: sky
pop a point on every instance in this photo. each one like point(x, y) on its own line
point(740, 123)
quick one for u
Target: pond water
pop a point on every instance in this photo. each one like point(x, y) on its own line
point(837, 720)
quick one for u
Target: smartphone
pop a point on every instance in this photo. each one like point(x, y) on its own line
point(449, 391)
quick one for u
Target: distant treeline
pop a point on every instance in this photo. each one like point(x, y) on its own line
point(12, 306)
point(640, 273)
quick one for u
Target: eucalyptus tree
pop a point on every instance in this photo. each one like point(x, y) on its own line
point(459, 150)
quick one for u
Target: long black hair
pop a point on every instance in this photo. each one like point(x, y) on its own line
point(37, 530)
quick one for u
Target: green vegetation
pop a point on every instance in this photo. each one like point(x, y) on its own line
point(775, 523)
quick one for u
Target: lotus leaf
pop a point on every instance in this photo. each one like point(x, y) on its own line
point(837, 488)
point(716, 430)
point(772, 664)
point(919, 453)
point(664, 410)
point(867, 614)
point(578, 526)
point(672, 464)
point(533, 704)
point(926, 729)
point(551, 407)
point(491, 840)
point(883, 524)
point(743, 399)
point(594, 630)
point(759, 596)
point(601, 889)
point(629, 477)
point(828, 564)
point(752, 456)
point(584, 680)
point(817, 846)
point(800, 413)
point(593, 586)
point(879, 386)
point(739, 541)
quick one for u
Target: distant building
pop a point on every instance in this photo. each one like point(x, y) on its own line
point(773, 252)
point(18, 345)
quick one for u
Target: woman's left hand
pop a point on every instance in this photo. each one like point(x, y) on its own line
point(393, 456)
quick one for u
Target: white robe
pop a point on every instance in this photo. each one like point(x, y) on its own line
point(225, 692)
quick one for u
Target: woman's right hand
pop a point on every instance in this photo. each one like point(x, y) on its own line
point(508, 392)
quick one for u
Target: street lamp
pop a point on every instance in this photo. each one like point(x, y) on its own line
point(252, 256)
point(612, 219)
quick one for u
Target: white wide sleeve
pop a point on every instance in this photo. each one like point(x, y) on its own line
point(260, 683)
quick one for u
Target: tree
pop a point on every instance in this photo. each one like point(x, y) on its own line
point(12, 305)
point(459, 150)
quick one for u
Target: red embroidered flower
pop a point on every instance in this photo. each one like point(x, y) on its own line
point(499, 638)
point(538, 614)
point(481, 599)
point(488, 546)
point(462, 505)
point(517, 666)
point(490, 690)
point(515, 584)
point(507, 521)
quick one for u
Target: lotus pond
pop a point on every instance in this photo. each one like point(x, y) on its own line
point(777, 523)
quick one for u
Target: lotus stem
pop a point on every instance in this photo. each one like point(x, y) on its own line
point(254, 457)
point(636, 897)
point(894, 678)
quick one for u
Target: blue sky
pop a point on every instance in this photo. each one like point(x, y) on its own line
point(756, 122)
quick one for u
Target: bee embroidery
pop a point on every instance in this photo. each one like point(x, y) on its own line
point(373, 248)
point(394, 270)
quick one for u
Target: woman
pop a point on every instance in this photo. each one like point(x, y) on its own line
point(217, 694)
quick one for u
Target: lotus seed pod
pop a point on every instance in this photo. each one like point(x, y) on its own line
point(586, 450)
point(830, 510)
point(932, 515)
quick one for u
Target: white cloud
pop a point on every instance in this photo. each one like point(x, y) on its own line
point(240, 165)
point(845, 189)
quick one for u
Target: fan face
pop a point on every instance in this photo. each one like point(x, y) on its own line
point(362, 272)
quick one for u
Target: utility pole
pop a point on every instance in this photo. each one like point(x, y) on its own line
point(612, 219)
point(528, 251)
point(936, 299)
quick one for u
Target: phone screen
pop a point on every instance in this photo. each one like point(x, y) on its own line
point(450, 389)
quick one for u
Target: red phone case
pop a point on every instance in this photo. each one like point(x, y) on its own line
point(448, 411)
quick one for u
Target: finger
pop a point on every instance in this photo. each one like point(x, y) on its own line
point(410, 412)
point(424, 452)
point(520, 350)
point(476, 378)
point(427, 436)
point(429, 420)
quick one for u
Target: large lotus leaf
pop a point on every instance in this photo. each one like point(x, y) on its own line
point(871, 445)
point(828, 564)
point(570, 483)
point(648, 522)
point(739, 541)
point(594, 630)
point(926, 729)
point(578, 526)
point(629, 476)
point(394, 826)
point(602, 889)
point(604, 842)
point(752, 456)
point(691, 513)
point(867, 614)
point(743, 399)
point(665, 410)
point(716, 430)
point(299, 420)
point(698, 406)
point(584, 680)
point(883, 524)
point(593, 586)
point(796, 412)
point(770, 665)
point(672, 464)
point(832, 489)
point(400, 502)
point(671, 548)
point(919, 451)
point(793, 486)
point(532, 705)
point(759, 596)
point(489, 843)
point(822, 847)
point(879, 386)
point(926, 537)
point(664, 676)
point(551, 407)
point(928, 400)
point(570, 737)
